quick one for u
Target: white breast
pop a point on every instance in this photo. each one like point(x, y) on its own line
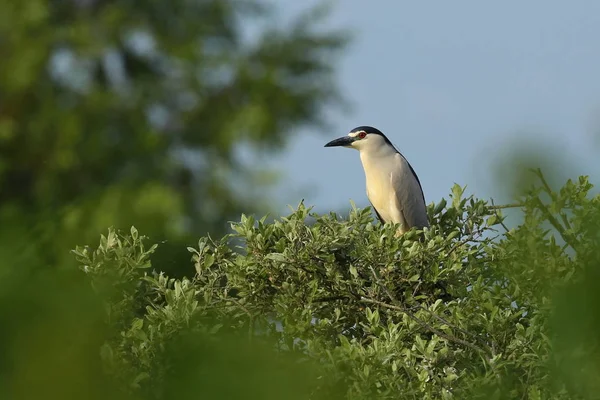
point(379, 172)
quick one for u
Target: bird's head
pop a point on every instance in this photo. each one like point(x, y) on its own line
point(363, 139)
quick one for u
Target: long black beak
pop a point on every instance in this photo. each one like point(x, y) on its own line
point(343, 141)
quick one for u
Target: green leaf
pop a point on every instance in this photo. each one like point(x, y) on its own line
point(440, 206)
point(209, 260)
point(276, 257)
point(137, 324)
point(492, 220)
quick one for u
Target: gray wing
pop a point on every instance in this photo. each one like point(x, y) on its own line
point(409, 194)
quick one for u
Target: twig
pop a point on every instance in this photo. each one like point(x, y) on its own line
point(565, 221)
point(503, 206)
point(443, 320)
point(499, 217)
point(416, 288)
point(426, 325)
point(251, 322)
point(547, 187)
point(470, 237)
point(390, 295)
point(549, 215)
point(330, 298)
point(567, 237)
point(550, 192)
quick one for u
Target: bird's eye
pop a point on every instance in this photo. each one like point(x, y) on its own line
point(362, 135)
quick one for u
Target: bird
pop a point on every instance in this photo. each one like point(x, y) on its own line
point(393, 188)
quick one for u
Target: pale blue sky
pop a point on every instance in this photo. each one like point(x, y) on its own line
point(448, 81)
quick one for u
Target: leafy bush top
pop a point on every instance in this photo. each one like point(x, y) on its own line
point(341, 308)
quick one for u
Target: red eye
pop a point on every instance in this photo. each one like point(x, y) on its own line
point(362, 135)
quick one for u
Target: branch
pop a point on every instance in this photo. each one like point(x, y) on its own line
point(426, 325)
point(470, 237)
point(553, 197)
point(569, 238)
point(399, 307)
point(443, 320)
point(330, 298)
point(250, 316)
point(503, 206)
point(498, 215)
point(547, 187)
point(565, 221)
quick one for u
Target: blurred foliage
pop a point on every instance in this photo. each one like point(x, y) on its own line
point(530, 150)
point(314, 306)
point(127, 112)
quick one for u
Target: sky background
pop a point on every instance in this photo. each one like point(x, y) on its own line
point(456, 86)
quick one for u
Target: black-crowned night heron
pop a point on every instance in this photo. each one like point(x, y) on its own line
point(393, 187)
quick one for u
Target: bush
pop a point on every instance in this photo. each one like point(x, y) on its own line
point(314, 306)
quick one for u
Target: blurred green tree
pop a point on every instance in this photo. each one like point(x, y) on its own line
point(128, 112)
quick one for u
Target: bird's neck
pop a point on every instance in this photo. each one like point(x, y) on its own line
point(377, 156)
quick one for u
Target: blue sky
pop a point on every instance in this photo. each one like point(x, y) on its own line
point(456, 86)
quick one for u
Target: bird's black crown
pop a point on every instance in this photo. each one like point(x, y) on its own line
point(373, 131)
point(368, 129)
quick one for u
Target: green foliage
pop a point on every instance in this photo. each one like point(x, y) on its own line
point(121, 113)
point(314, 306)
